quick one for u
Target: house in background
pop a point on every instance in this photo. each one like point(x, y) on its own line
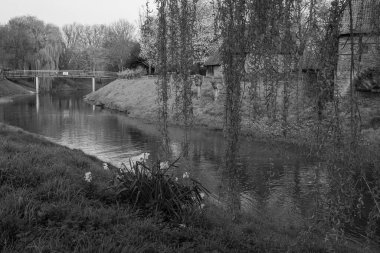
point(366, 40)
point(213, 65)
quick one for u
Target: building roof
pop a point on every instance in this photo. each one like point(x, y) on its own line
point(365, 17)
point(214, 60)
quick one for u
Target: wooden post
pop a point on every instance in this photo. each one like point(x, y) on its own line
point(37, 85)
point(93, 84)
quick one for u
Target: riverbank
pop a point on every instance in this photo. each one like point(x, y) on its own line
point(137, 98)
point(8, 88)
point(46, 205)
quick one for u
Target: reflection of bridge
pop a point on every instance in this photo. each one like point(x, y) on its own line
point(60, 73)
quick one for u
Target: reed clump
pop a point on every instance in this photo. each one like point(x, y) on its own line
point(153, 189)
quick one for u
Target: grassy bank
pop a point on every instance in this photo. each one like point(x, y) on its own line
point(137, 97)
point(8, 88)
point(47, 206)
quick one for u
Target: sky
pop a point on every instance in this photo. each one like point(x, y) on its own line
point(61, 12)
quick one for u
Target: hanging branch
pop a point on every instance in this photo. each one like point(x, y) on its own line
point(174, 56)
point(162, 82)
point(173, 40)
point(232, 24)
point(287, 50)
point(353, 95)
point(186, 58)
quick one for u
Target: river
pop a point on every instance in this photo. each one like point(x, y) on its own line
point(270, 181)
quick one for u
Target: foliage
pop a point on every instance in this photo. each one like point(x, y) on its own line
point(148, 38)
point(132, 73)
point(101, 47)
point(162, 66)
point(120, 42)
point(30, 43)
point(152, 189)
point(351, 202)
point(203, 38)
point(232, 24)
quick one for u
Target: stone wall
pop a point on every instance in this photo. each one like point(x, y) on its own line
point(368, 58)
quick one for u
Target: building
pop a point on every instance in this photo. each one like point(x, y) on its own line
point(213, 65)
point(366, 38)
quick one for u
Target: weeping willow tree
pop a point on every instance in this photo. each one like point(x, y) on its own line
point(174, 33)
point(48, 56)
point(162, 66)
point(231, 18)
point(232, 24)
point(175, 55)
point(33, 45)
point(328, 61)
point(186, 21)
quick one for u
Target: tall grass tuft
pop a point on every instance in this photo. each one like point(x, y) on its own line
point(154, 190)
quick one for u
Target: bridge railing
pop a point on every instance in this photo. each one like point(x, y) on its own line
point(59, 73)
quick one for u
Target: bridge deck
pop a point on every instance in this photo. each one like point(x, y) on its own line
point(60, 73)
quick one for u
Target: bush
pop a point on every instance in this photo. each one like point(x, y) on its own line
point(131, 73)
point(152, 189)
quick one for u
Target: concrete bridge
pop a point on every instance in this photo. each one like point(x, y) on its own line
point(36, 74)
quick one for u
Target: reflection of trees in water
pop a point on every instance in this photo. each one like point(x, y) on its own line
point(2, 118)
point(186, 143)
point(250, 172)
point(286, 191)
point(21, 113)
point(164, 153)
point(230, 177)
point(207, 148)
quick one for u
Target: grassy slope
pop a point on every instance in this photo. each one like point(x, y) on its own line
point(8, 88)
point(138, 98)
point(46, 206)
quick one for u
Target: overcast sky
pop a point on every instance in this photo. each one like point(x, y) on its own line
point(60, 12)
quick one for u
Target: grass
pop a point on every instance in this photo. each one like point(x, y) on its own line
point(137, 97)
point(8, 88)
point(47, 206)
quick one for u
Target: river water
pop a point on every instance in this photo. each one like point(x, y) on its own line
point(270, 181)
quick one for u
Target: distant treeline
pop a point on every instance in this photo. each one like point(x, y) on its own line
point(28, 43)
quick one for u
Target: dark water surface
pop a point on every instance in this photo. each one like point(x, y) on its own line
point(275, 182)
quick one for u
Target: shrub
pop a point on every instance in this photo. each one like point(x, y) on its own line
point(152, 189)
point(131, 73)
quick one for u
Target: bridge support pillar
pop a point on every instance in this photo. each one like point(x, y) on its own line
point(37, 85)
point(93, 84)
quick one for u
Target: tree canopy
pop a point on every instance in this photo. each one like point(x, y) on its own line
point(28, 43)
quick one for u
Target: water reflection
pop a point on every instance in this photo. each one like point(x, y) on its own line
point(261, 179)
point(37, 103)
